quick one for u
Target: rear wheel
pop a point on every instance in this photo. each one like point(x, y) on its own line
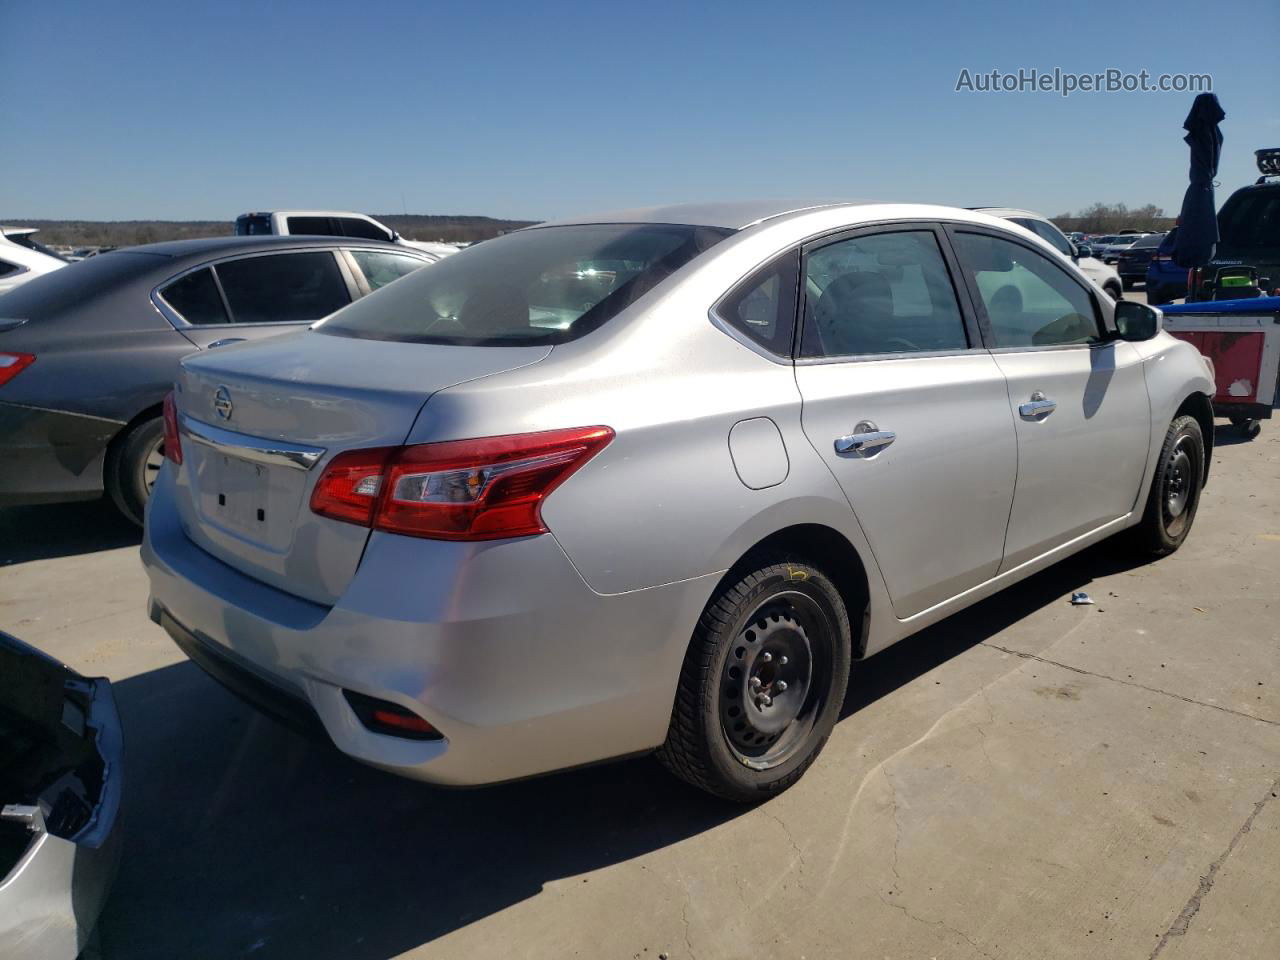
point(1114, 290)
point(1175, 490)
point(133, 467)
point(762, 683)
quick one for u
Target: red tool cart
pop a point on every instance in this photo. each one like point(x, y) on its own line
point(1242, 338)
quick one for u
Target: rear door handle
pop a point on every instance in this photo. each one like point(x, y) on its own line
point(226, 340)
point(1038, 406)
point(866, 441)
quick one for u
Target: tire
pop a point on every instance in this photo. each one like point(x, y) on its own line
point(785, 626)
point(133, 465)
point(1113, 291)
point(1175, 490)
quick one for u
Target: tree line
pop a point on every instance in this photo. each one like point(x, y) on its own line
point(129, 233)
point(1112, 218)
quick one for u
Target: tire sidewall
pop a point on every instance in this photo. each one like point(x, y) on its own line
point(128, 485)
point(800, 578)
point(1181, 427)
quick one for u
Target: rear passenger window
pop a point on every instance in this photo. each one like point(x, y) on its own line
point(7, 268)
point(313, 226)
point(884, 293)
point(195, 297)
point(763, 307)
point(363, 229)
point(283, 288)
point(1030, 300)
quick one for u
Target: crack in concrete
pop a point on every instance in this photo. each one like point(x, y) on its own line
point(684, 916)
point(794, 846)
point(1128, 683)
point(897, 829)
point(897, 877)
point(935, 923)
point(1183, 920)
point(991, 718)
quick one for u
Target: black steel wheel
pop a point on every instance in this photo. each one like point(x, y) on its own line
point(1175, 489)
point(762, 683)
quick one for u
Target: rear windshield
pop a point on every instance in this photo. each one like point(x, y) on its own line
point(1250, 221)
point(540, 286)
point(31, 243)
point(253, 226)
point(1151, 241)
point(76, 283)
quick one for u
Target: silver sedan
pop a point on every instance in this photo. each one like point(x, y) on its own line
point(656, 480)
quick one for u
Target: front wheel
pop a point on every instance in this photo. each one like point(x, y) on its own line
point(762, 683)
point(1114, 291)
point(1175, 489)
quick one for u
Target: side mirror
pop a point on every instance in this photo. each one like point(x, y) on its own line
point(1137, 321)
point(1083, 250)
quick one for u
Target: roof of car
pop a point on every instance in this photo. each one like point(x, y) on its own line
point(234, 244)
point(734, 215)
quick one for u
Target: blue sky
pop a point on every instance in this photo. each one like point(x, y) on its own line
point(204, 110)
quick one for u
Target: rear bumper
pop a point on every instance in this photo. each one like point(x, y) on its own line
point(48, 456)
point(500, 646)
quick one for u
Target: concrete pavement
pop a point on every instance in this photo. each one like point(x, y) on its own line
point(1026, 779)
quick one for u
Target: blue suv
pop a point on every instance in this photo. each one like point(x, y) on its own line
point(1166, 281)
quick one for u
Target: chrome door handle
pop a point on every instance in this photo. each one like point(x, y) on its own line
point(866, 441)
point(1038, 406)
point(226, 340)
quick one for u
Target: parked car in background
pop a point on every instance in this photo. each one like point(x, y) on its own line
point(1110, 251)
point(1133, 260)
point(1247, 261)
point(22, 258)
point(61, 780)
point(654, 479)
point(1166, 281)
point(88, 352)
point(1093, 268)
point(331, 223)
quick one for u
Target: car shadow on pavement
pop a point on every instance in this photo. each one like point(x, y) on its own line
point(885, 672)
point(62, 530)
point(245, 838)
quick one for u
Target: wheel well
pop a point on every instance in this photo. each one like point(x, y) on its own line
point(826, 548)
point(1199, 406)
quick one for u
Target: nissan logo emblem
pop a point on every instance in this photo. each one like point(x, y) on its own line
point(222, 403)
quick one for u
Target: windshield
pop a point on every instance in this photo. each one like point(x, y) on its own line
point(539, 286)
point(1250, 221)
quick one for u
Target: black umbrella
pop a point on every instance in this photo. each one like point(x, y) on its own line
point(1198, 223)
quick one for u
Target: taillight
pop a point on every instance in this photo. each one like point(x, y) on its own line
point(349, 487)
point(11, 364)
point(486, 489)
point(172, 440)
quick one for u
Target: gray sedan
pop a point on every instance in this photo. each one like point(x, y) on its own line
point(88, 352)
point(656, 481)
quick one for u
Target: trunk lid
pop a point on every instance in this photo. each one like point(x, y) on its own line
point(260, 422)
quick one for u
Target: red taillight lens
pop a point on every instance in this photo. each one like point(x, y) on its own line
point(12, 364)
point(349, 487)
point(172, 440)
point(486, 489)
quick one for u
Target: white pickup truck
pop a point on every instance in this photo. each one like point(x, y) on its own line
point(331, 223)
